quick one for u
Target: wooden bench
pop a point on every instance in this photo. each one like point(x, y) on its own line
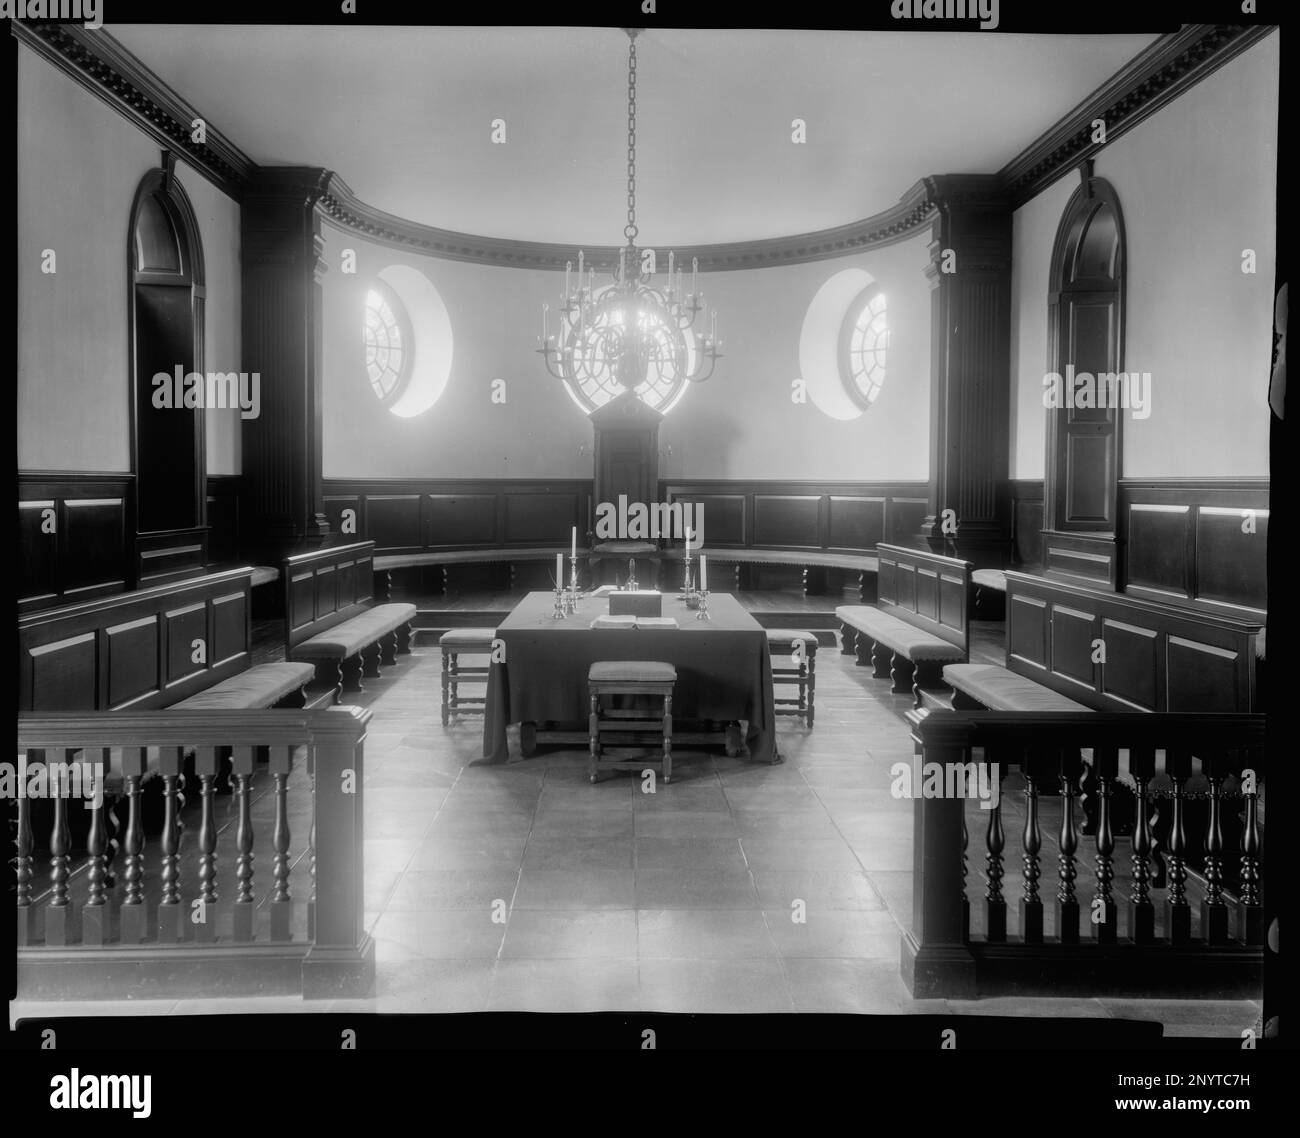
point(811, 561)
point(919, 620)
point(1111, 652)
point(330, 621)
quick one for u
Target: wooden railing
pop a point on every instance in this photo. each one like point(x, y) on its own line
point(962, 945)
point(195, 938)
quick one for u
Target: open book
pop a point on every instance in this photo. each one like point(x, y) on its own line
point(634, 622)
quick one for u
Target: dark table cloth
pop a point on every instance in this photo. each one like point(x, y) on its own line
point(723, 668)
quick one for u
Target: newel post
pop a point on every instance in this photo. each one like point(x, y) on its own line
point(341, 961)
point(936, 960)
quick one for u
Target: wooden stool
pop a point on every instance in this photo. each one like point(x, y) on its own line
point(630, 677)
point(781, 643)
point(454, 643)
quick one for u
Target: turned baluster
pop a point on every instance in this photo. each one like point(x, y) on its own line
point(1105, 914)
point(1067, 903)
point(59, 929)
point(995, 905)
point(171, 913)
point(1250, 913)
point(311, 846)
point(26, 910)
point(1214, 912)
point(242, 926)
point(965, 870)
point(1178, 912)
point(94, 913)
point(206, 765)
point(1142, 920)
point(134, 910)
point(1031, 905)
point(281, 904)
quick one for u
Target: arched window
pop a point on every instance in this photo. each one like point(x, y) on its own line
point(865, 347)
point(386, 334)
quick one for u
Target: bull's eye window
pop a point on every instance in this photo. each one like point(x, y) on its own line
point(387, 340)
point(866, 347)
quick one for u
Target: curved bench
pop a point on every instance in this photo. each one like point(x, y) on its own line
point(866, 565)
point(993, 687)
point(448, 557)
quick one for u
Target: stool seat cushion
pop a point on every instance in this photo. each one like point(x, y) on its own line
point(632, 671)
point(257, 687)
point(993, 579)
point(785, 638)
point(468, 639)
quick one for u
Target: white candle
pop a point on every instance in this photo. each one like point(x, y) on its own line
point(695, 276)
point(545, 309)
point(580, 268)
point(671, 259)
point(574, 550)
point(704, 574)
point(559, 570)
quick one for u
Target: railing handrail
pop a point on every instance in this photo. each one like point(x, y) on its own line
point(214, 728)
point(945, 728)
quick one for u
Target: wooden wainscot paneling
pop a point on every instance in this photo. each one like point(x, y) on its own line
point(903, 518)
point(786, 521)
point(454, 521)
point(223, 519)
point(855, 523)
point(541, 517)
point(393, 522)
point(72, 537)
point(724, 515)
point(1116, 652)
point(1196, 542)
point(1027, 522)
point(136, 649)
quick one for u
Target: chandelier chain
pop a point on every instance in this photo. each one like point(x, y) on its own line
point(630, 230)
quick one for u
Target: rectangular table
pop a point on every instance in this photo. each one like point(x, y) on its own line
point(723, 668)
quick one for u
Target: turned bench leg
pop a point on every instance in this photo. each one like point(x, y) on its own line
point(928, 674)
point(880, 662)
point(446, 685)
point(329, 675)
point(388, 648)
point(370, 660)
point(404, 639)
point(352, 672)
point(864, 646)
point(901, 674)
point(848, 636)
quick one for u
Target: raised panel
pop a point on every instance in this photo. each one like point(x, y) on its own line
point(781, 520)
point(61, 675)
point(724, 517)
point(855, 523)
point(1072, 635)
point(345, 584)
point(952, 602)
point(1028, 522)
point(460, 519)
point(906, 586)
point(541, 519)
point(904, 518)
point(1157, 548)
point(1131, 669)
point(363, 579)
point(1027, 630)
point(887, 580)
point(229, 628)
point(38, 560)
point(335, 506)
point(184, 626)
point(327, 596)
point(1201, 677)
point(133, 652)
point(393, 521)
point(1089, 474)
point(1231, 564)
point(927, 593)
point(302, 599)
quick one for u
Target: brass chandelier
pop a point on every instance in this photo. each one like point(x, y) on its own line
point(629, 334)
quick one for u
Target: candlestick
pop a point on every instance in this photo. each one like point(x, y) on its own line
point(559, 611)
point(703, 614)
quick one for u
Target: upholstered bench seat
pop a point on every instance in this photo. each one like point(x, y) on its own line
point(897, 635)
point(993, 579)
point(258, 687)
point(631, 672)
point(998, 689)
point(350, 637)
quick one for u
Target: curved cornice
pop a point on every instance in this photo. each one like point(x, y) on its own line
point(1162, 72)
